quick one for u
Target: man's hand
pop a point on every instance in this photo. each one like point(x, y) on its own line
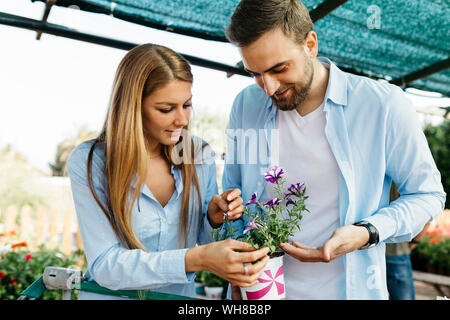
point(228, 203)
point(344, 240)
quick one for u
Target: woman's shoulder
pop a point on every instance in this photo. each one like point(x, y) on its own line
point(79, 156)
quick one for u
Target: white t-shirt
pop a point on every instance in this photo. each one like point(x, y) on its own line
point(306, 157)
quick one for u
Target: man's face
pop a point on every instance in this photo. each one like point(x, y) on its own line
point(280, 67)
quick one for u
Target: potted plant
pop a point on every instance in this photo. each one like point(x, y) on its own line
point(199, 286)
point(213, 285)
point(268, 225)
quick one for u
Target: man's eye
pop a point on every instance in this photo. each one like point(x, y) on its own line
point(280, 70)
point(187, 106)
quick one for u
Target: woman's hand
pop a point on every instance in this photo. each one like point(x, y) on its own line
point(222, 259)
point(227, 205)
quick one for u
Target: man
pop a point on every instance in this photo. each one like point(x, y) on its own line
point(346, 137)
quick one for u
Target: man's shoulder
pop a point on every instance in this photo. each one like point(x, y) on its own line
point(362, 85)
point(376, 94)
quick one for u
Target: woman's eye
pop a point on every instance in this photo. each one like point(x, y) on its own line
point(187, 106)
point(165, 110)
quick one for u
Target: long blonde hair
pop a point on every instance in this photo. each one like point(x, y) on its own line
point(144, 69)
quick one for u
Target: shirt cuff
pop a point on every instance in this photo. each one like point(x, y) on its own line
point(174, 261)
point(385, 225)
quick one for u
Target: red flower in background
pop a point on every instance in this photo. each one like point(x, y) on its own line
point(434, 240)
point(28, 257)
point(2, 274)
point(20, 244)
point(12, 281)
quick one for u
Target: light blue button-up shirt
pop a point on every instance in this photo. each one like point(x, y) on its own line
point(162, 266)
point(376, 138)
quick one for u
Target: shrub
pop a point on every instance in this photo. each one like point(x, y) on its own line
point(438, 138)
point(432, 252)
point(20, 267)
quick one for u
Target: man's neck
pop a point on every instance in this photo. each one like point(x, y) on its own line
point(318, 89)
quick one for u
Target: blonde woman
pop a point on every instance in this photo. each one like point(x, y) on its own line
point(145, 191)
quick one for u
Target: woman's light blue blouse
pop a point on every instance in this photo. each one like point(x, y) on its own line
point(162, 266)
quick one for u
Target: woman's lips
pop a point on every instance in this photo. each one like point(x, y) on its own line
point(174, 132)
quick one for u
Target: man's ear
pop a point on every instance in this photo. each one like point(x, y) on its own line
point(311, 44)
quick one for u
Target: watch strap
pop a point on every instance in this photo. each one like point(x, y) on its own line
point(373, 234)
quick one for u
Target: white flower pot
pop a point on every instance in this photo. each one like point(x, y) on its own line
point(271, 284)
point(199, 288)
point(214, 293)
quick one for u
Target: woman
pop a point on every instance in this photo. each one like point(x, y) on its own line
point(145, 192)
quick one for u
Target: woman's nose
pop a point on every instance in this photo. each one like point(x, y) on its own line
point(182, 117)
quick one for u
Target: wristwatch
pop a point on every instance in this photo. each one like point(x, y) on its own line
point(373, 234)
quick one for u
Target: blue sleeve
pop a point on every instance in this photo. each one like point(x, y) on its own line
point(231, 178)
point(110, 264)
point(209, 179)
point(411, 166)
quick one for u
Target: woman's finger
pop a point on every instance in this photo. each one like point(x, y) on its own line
point(232, 194)
point(235, 203)
point(220, 202)
point(238, 245)
point(253, 255)
point(236, 213)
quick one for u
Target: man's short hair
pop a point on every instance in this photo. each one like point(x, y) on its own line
point(253, 18)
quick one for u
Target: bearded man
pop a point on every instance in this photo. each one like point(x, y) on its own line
point(345, 136)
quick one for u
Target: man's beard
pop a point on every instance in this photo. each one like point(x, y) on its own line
point(300, 91)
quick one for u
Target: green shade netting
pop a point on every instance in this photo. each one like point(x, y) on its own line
point(382, 38)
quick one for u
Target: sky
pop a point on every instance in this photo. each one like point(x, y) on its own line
point(51, 88)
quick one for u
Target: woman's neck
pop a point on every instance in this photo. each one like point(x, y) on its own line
point(154, 150)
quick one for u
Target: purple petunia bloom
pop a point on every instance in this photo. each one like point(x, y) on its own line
point(289, 201)
point(273, 174)
point(296, 189)
point(253, 200)
point(252, 225)
point(273, 202)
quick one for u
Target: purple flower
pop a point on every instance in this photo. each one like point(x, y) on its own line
point(296, 189)
point(253, 200)
point(289, 201)
point(273, 174)
point(273, 202)
point(252, 225)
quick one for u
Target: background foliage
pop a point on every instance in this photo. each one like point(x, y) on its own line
point(439, 141)
point(20, 267)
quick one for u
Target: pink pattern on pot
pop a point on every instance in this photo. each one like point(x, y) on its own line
point(256, 295)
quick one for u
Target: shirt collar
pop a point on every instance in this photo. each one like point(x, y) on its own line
point(337, 83)
point(336, 87)
point(176, 173)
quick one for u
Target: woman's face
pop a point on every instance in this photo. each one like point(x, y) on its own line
point(166, 112)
